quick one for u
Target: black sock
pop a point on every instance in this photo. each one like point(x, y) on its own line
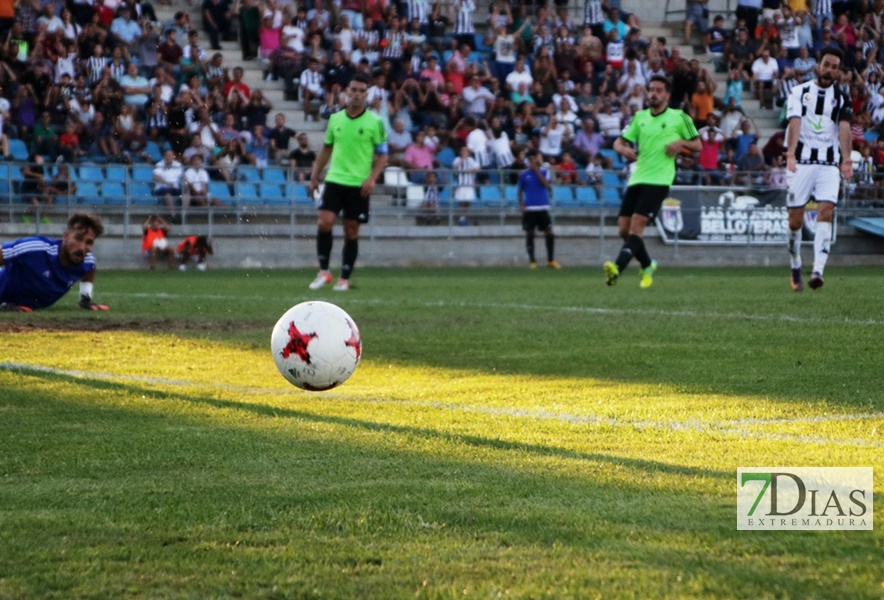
point(625, 255)
point(529, 246)
point(550, 248)
point(351, 250)
point(323, 248)
point(640, 251)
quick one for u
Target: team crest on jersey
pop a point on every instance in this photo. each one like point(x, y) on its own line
point(360, 131)
point(807, 98)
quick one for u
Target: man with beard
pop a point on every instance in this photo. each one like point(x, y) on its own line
point(817, 155)
point(654, 138)
point(36, 271)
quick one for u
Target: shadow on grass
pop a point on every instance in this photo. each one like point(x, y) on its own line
point(332, 486)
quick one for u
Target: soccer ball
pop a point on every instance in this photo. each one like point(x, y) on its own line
point(316, 346)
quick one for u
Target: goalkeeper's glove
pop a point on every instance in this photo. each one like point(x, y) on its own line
point(14, 307)
point(86, 303)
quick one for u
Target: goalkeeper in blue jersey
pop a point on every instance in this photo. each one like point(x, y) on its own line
point(36, 271)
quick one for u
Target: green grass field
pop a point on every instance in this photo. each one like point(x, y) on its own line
point(509, 434)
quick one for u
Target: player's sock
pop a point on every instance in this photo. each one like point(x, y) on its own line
point(323, 248)
point(626, 254)
point(351, 251)
point(821, 242)
point(529, 246)
point(795, 249)
point(550, 249)
point(640, 251)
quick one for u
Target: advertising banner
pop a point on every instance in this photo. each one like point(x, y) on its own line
point(723, 216)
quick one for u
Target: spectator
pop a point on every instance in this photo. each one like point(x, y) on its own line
point(463, 23)
point(745, 138)
point(712, 139)
point(167, 176)
point(136, 88)
point(124, 31)
point(702, 104)
point(34, 185)
point(398, 141)
point(696, 13)
point(44, 140)
point(312, 89)
point(258, 147)
point(552, 139)
point(248, 14)
point(419, 158)
point(610, 123)
point(587, 142)
point(280, 136)
point(196, 183)
point(216, 21)
point(518, 76)
point(715, 40)
point(154, 241)
point(751, 167)
point(466, 168)
point(764, 73)
point(301, 159)
point(196, 247)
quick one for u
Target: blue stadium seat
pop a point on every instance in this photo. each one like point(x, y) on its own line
point(113, 192)
point(247, 193)
point(297, 193)
point(87, 193)
point(153, 150)
point(445, 196)
point(614, 156)
point(611, 196)
point(446, 157)
point(274, 175)
point(481, 46)
point(489, 195)
point(116, 173)
point(89, 173)
point(249, 173)
point(142, 173)
point(141, 193)
point(511, 195)
point(220, 191)
point(18, 150)
point(586, 196)
point(271, 193)
point(563, 195)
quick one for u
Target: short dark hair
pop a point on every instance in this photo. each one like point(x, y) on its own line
point(532, 152)
point(664, 80)
point(361, 78)
point(85, 220)
point(834, 52)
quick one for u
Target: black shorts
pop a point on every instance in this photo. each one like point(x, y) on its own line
point(347, 198)
point(536, 219)
point(643, 199)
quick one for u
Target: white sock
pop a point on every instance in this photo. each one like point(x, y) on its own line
point(795, 249)
point(821, 242)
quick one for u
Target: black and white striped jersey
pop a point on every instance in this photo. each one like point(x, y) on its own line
point(820, 109)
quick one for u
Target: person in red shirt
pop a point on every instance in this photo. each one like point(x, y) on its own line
point(194, 246)
point(154, 241)
point(566, 170)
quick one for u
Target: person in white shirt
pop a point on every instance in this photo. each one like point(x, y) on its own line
point(519, 75)
point(466, 167)
point(196, 180)
point(552, 137)
point(764, 72)
point(167, 181)
point(477, 97)
point(477, 142)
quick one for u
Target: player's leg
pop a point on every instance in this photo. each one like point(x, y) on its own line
point(800, 184)
point(325, 222)
point(646, 210)
point(822, 241)
point(356, 211)
point(627, 208)
point(550, 239)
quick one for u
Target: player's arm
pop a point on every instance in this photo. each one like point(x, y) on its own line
point(319, 166)
point(86, 288)
point(793, 130)
point(844, 137)
point(625, 149)
point(379, 162)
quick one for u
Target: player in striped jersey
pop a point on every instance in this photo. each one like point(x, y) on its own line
point(817, 155)
point(36, 271)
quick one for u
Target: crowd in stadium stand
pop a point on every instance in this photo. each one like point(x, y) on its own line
point(106, 81)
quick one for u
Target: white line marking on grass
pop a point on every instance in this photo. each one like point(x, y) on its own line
point(739, 316)
point(736, 427)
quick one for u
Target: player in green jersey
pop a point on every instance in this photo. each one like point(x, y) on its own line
point(653, 139)
point(356, 146)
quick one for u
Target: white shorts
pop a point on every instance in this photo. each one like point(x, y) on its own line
point(161, 243)
point(821, 181)
point(465, 194)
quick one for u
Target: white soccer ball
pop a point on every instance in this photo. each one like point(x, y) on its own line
point(316, 346)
